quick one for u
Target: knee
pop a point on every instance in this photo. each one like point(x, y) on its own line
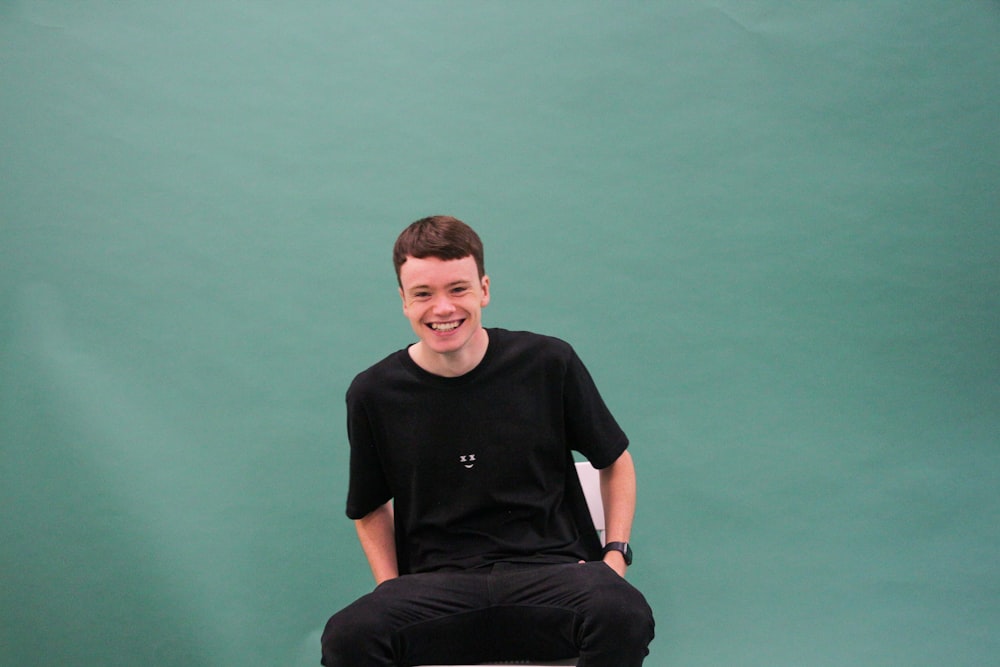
point(621, 610)
point(348, 638)
point(335, 641)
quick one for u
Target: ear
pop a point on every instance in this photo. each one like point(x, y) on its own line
point(485, 284)
point(402, 297)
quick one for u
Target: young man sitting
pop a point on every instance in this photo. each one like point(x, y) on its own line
point(465, 494)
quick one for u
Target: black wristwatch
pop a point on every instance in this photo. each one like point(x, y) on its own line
point(621, 547)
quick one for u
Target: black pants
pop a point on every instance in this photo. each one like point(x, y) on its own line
point(505, 612)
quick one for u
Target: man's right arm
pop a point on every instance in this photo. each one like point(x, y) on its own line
point(376, 532)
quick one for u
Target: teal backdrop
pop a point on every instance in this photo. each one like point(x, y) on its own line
point(769, 228)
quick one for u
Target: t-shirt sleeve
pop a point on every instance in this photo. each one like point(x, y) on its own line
point(367, 486)
point(591, 428)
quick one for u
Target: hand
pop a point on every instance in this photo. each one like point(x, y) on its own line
point(616, 564)
point(616, 561)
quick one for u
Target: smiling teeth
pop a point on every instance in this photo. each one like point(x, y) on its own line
point(444, 326)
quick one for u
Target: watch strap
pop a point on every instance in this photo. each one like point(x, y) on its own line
point(621, 547)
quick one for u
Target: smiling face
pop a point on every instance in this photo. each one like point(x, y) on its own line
point(443, 299)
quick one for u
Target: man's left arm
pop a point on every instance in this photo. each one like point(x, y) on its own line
point(618, 497)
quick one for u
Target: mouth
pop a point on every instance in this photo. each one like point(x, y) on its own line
point(445, 327)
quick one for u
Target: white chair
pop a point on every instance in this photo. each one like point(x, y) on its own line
point(590, 480)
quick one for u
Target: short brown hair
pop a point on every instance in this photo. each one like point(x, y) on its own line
point(440, 236)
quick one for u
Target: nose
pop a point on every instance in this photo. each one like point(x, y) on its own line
point(443, 306)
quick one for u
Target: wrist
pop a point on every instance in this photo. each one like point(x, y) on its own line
point(615, 558)
point(623, 550)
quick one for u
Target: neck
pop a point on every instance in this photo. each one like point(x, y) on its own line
point(452, 364)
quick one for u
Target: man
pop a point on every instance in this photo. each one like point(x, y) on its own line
point(464, 492)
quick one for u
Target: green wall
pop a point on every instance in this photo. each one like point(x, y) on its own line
point(769, 228)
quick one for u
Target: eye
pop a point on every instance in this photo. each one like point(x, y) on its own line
point(459, 290)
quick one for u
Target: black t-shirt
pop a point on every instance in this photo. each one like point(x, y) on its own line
point(480, 467)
